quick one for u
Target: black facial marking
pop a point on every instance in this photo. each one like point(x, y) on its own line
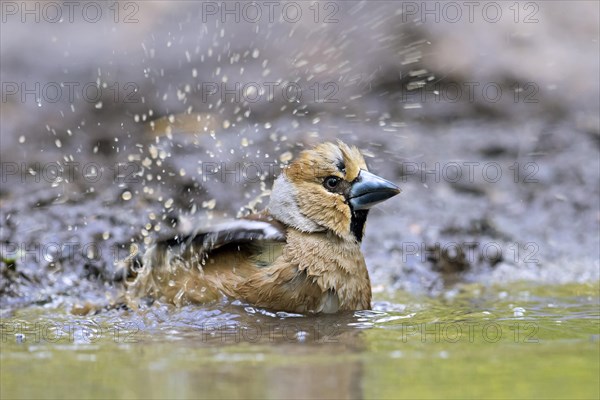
point(357, 223)
point(341, 186)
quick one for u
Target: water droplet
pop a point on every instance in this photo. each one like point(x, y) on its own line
point(210, 204)
point(285, 157)
point(153, 151)
point(518, 311)
point(301, 336)
point(396, 354)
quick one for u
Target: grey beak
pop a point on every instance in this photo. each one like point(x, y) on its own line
point(369, 189)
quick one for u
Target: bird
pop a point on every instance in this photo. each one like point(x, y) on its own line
point(301, 254)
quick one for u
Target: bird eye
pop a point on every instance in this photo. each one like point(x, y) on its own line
point(331, 182)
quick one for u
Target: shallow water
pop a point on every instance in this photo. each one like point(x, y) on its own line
point(473, 342)
point(84, 181)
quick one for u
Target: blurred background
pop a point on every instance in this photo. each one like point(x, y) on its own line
point(122, 122)
point(486, 116)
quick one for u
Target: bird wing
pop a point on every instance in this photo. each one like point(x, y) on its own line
point(239, 231)
point(249, 235)
point(215, 257)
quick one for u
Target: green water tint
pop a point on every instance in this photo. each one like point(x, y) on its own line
point(518, 342)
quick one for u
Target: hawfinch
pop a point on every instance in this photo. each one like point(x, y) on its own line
point(301, 254)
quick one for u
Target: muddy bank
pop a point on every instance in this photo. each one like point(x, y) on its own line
point(491, 129)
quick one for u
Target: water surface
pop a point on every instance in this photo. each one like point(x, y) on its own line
point(472, 342)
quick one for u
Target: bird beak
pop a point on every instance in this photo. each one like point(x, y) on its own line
point(369, 189)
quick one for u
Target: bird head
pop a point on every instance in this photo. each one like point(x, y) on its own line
point(328, 188)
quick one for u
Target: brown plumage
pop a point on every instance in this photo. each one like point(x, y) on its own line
point(302, 254)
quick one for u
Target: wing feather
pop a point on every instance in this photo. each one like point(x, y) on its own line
point(238, 231)
point(176, 267)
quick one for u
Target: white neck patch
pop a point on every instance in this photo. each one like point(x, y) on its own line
point(284, 207)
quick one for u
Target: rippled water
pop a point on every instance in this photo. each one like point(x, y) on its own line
point(472, 342)
point(65, 227)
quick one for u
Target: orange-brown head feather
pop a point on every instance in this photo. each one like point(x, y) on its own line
point(309, 204)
